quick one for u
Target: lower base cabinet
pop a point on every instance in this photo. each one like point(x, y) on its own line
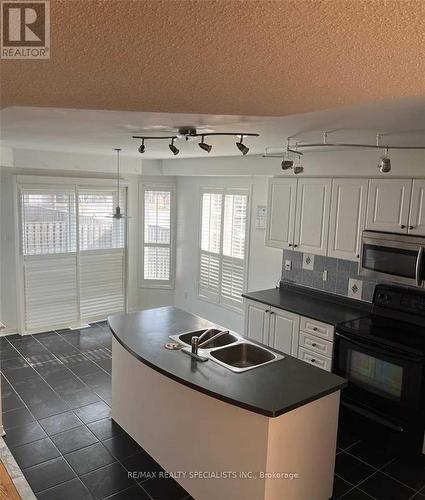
point(301, 337)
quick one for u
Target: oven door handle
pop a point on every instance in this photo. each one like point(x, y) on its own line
point(379, 350)
point(418, 270)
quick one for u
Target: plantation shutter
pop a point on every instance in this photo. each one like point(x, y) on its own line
point(234, 231)
point(210, 259)
point(73, 256)
point(157, 236)
point(222, 246)
point(48, 240)
point(102, 253)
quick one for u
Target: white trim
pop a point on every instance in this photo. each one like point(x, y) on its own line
point(158, 186)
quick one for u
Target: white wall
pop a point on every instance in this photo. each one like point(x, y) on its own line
point(9, 314)
point(264, 263)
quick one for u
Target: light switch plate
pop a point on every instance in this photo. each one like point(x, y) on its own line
point(355, 288)
point(308, 261)
point(288, 265)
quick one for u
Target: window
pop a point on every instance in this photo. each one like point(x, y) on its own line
point(97, 229)
point(48, 221)
point(223, 246)
point(157, 235)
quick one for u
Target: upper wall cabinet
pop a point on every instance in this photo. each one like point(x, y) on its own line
point(312, 215)
point(347, 219)
point(388, 205)
point(281, 212)
point(417, 208)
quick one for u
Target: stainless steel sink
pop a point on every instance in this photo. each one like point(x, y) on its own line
point(243, 356)
point(226, 339)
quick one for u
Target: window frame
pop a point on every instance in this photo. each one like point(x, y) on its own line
point(224, 301)
point(158, 284)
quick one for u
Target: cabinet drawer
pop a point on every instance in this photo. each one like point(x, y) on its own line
point(317, 328)
point(315, 359)
point(316, 344)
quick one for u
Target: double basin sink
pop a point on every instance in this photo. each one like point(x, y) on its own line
point(230, 350)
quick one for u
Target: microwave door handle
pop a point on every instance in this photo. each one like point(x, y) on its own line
point(418, 270)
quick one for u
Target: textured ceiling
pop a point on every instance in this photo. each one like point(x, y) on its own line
point(223, 57)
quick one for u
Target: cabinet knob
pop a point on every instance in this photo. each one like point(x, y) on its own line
point(402, 226)
point(314, 344)
point(295, 246)
point(313, 360)
point(411, 227)
point(290, 244)
point(271, 312)
point(358, 256)
point(315, 328)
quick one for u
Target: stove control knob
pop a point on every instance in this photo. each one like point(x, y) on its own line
point(387, 298)
point(380, 296)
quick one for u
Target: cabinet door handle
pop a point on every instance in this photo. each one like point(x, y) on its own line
point(411, 227)
point(315, 328)
point(295, 246)
point(402, 226)
point(313, 360)
point(314, 344)
point(290, 244)
point(271, 312)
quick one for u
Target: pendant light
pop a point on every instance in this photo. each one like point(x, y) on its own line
point(118, 214)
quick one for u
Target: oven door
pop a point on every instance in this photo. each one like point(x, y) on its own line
point(381, 381)
point(392, 257)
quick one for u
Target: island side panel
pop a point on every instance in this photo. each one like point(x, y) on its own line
point(309, 434)
point(185, 430)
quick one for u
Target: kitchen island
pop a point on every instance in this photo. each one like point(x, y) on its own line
point(266, 433)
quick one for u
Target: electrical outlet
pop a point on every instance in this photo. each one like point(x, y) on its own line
point(288, 265)
point(325, 275)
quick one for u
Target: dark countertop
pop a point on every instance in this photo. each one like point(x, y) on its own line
point(271, 390)
point(317, 305)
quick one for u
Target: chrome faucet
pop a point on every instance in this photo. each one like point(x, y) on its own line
point(196, 342)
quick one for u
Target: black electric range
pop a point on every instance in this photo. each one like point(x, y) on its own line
point(383, 357)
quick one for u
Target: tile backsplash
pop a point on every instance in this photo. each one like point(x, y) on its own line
point(341, 275)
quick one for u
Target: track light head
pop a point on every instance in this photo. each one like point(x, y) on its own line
point(384, 164)
point(204, 146)
point(173, 148)
point(298, 169)
point(142, 147)
point(287, 164)
point(241, 146)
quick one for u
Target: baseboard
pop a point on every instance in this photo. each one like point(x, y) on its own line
point(8, 331)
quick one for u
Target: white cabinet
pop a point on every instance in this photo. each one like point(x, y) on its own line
point(388, 205)
point(347, 218)
point(284, 331)
point(257, 321)
point(312, 215)
point(417, 208)
point(271, 326)
point(281, 212)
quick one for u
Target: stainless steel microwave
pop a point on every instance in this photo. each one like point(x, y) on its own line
point(393, 257)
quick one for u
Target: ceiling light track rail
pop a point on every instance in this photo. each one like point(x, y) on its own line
point(355, 145)
point(189, 133)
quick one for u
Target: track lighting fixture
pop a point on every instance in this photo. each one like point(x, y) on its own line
point(173, 148)
point(384, 164)
point(204, 146)
point(241, 146)
point(190, 133)
point(298, 169)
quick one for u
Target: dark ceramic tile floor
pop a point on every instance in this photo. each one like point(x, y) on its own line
point(56, 396)
point(368, 466)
